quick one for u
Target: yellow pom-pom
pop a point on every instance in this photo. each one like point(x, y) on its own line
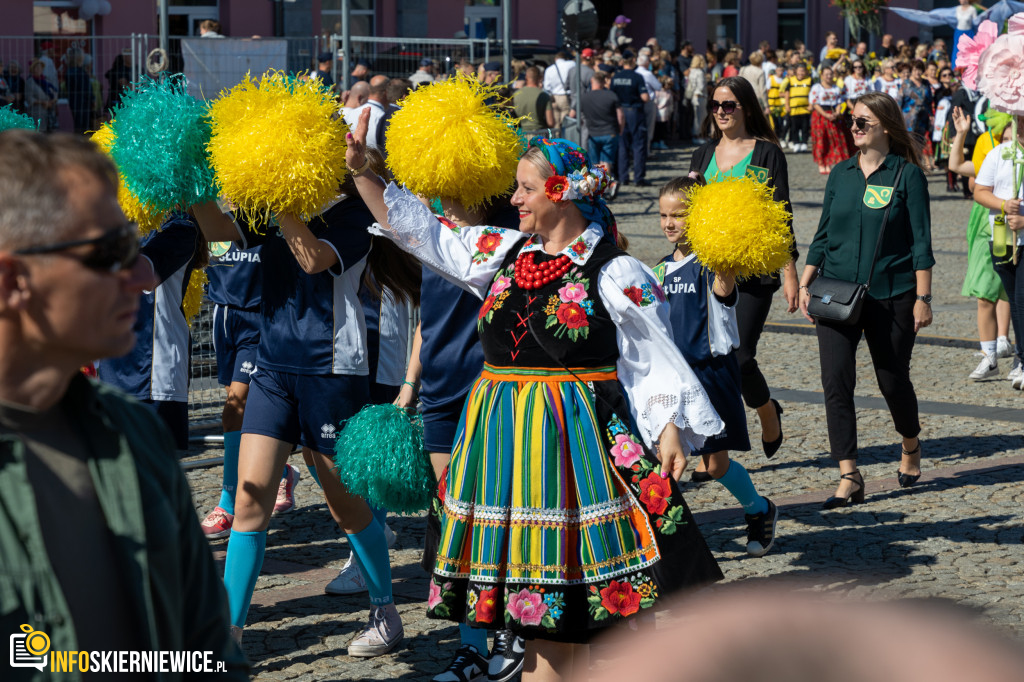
point(145, 216)
point(835, 53)
point(193, 298)
point(277, 145)
point(446, 141)
point(736, 226)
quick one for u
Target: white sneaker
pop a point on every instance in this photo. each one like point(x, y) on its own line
point(350, 578)
point(986, 369)
point(1015, 373)
point(383, 633)
point(803, 147)
point(1004, 348)
point(1018, 383)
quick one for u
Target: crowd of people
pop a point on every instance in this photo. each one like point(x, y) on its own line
point(558, 415)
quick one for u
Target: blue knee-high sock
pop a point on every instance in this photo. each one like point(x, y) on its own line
point(475, 637)
point(241, 568)
point(232, 440)
point(312, 472)
point(737, 481)
point(371, 550)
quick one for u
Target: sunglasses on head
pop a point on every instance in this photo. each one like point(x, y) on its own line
point(727, 107)
point(113, 251)
point(859, 122)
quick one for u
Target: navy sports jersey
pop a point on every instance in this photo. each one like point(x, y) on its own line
point(450, 348)
point(313, 324)
point(157, 368)
point(702, 325)
point(629, 86)
point(234, 274)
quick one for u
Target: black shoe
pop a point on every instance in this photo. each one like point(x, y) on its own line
point(761, 530)
point(643, 183)
point(507, 656)
point(770, 448)
point(467, 666)
point(855, 497)
point(906, 480)
point(700, 477)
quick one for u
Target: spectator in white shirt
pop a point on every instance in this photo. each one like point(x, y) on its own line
point(378, 106)
point(643, 67)
point(556, 84)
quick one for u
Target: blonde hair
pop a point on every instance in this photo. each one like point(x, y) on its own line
point(698, 62)
point(756, 58)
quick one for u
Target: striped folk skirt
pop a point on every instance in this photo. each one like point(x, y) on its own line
point(553, 520)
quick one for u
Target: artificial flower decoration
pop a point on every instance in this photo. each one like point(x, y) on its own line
point(969, 50)
point(1001, 69)
point(555, 187)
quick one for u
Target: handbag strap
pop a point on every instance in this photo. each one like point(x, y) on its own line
point(885, 220)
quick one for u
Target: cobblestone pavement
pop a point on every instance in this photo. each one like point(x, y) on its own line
point(957, 535)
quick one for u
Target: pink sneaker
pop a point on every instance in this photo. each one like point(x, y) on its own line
point(217, 524)
point(286, 490)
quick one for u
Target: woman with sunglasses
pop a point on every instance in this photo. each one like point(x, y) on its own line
point(830, 137)
point(743, 143)
point(857, 83)
point(898, 303)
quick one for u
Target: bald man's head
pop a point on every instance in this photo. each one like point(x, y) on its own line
point(358, 95)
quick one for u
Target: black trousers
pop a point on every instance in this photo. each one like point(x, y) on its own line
point(1012, 277)
point(888, 327)
point(752, 307)
point(800, 129)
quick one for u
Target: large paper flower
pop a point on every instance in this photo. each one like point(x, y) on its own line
point(969, 49)
point(1001, 69)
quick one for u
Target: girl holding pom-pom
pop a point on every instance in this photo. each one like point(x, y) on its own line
point(312, 374)
point(743, 143)
point(703, 315)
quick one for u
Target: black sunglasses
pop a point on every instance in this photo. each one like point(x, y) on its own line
point(859, 122)
point(728, 106)
point(113, 251)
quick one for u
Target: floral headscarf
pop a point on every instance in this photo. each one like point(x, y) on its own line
point(575, 179)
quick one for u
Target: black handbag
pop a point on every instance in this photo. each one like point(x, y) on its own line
point(838, 301)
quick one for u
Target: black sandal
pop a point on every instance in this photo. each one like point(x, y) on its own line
point(855, 497)
point(906, 480)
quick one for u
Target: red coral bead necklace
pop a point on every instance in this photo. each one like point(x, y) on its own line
point(530, 275)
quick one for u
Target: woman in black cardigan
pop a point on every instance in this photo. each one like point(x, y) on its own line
point(743, 143)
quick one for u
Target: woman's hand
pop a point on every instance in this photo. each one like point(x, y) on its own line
point(355, 152)
point(670, 453)
point(961, 122)
point(1015, 222)
point(805, 299)
point(922, 315)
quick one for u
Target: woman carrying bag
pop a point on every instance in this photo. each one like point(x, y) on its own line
point(882, 185)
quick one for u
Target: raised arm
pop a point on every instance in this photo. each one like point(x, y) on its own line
point(370, 185)
point(216, 225)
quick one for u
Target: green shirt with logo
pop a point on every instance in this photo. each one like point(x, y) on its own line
point(851, 219)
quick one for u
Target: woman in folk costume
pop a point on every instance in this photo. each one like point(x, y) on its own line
point(561, 512)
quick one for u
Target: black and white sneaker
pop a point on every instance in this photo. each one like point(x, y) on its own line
point(761, 530)
point(507, 654)
point(467, 666)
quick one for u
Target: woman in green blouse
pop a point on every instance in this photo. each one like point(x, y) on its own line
point(898, 304)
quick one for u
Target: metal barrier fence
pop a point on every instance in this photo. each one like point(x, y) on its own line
point(205, 394)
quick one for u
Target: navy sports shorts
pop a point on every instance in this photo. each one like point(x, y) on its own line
point(720, 377)
point(440, 423)
point(301, 408)
point(236, 334)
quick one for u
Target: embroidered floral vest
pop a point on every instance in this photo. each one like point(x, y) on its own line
point(565, 315)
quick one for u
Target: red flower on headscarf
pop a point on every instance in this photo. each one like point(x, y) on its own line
point(555, 186)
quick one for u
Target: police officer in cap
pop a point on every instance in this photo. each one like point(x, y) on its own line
point(632, 92)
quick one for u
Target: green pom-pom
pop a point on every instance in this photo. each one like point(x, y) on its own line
point(380, 457)
point(9, 119)
point(161, 133)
